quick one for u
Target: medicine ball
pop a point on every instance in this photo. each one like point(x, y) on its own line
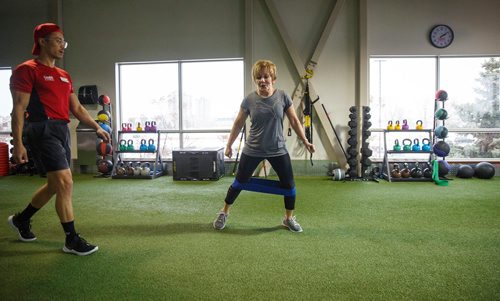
point(105, 127)
point(104, 148)
point(105, 166)
point(444, 168)
point(441, 148)
point(104, 100)
point(338, 174)
point(441, 132)
point(484, 170)
point(441, 95)
point(103, 116)
point(441, 114)
point(465, 171)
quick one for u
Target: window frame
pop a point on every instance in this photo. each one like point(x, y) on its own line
point(451, 130)
point(181, 131)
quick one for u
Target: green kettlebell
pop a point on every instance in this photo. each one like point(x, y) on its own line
point(130, 145)
point(407, 145)
point(123, 145)
point(397, 146)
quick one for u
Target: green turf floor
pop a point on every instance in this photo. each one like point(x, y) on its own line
point(361, 241)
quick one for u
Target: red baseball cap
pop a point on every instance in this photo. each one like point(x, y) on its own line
point(41, 31)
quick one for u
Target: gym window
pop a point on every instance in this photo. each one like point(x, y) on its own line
point(193, 103)
point(404, 87)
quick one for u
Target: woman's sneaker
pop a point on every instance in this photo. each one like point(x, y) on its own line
point(23, 228)
point(220, 221)
point(292, 224)
point(79, 246)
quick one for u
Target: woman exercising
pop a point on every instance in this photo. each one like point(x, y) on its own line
point(266, 107)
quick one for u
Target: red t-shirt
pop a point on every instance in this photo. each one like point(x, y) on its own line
point(49, 89)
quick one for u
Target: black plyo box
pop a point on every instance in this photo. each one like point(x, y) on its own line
point(206, 164)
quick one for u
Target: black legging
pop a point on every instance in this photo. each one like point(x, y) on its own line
point(281, 164)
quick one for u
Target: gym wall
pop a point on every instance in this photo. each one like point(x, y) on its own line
point(102, 33)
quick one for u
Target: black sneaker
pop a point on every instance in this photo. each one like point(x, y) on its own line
point(79, 246)
point(23, 228)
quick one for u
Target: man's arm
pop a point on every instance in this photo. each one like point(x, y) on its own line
point(83, 115)
point(20, 103)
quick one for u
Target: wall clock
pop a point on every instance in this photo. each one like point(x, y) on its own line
point(441, 36)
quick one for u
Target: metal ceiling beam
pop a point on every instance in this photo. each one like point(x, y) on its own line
point(304, 70)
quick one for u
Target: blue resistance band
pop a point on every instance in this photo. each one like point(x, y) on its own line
point(264, 186)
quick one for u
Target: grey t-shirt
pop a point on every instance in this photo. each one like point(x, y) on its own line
point(265, 138)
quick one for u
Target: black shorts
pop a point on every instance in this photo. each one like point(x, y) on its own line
point(49, 144)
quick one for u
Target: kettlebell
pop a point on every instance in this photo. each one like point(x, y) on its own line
point(420, 125)
point(120, 169)
point(407, 145)
point(397, 146)
point(416, 145)
point(130, 169)
point(130, 145)
point(143, 146)
point(390, 127)
point(129, 127)
point(395, 173)
point(145, 169)
point(123, 145)
point(124, 127)
point(405, 125)
point(426, 145)
point(405, 172)
point(137, 169)
point(428, 171)
point(153, 126)
point(147, 126)
point(151, 145)
point(397, 127)
point(416, 172)
point(139, 128)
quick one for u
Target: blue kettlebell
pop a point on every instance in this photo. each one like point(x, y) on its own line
point(151, 146)
point(143, 146)
point(416, 145)
point(426, 145)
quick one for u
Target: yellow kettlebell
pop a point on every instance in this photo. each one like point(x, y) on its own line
point(420, 125)
point(139, 129)
point(397, 127)
point(389, 126)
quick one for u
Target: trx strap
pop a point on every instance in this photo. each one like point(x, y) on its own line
point(243, 131)
point(308, 115)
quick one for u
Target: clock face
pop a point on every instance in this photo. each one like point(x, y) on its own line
point(441, 36)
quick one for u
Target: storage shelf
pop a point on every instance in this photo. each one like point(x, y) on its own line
point(157, 168)
point(389, 156)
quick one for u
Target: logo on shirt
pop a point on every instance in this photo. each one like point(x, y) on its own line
point(48, 78)
point(64, 79)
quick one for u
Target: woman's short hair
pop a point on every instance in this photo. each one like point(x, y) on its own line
point(264, 65)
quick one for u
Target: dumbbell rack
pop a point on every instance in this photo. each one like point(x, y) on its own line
point(388, 155)
point(157, 169)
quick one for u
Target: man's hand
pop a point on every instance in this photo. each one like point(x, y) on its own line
point(20, 154)
point(103, 134)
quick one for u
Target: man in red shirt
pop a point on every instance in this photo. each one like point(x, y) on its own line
point(43, 96)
